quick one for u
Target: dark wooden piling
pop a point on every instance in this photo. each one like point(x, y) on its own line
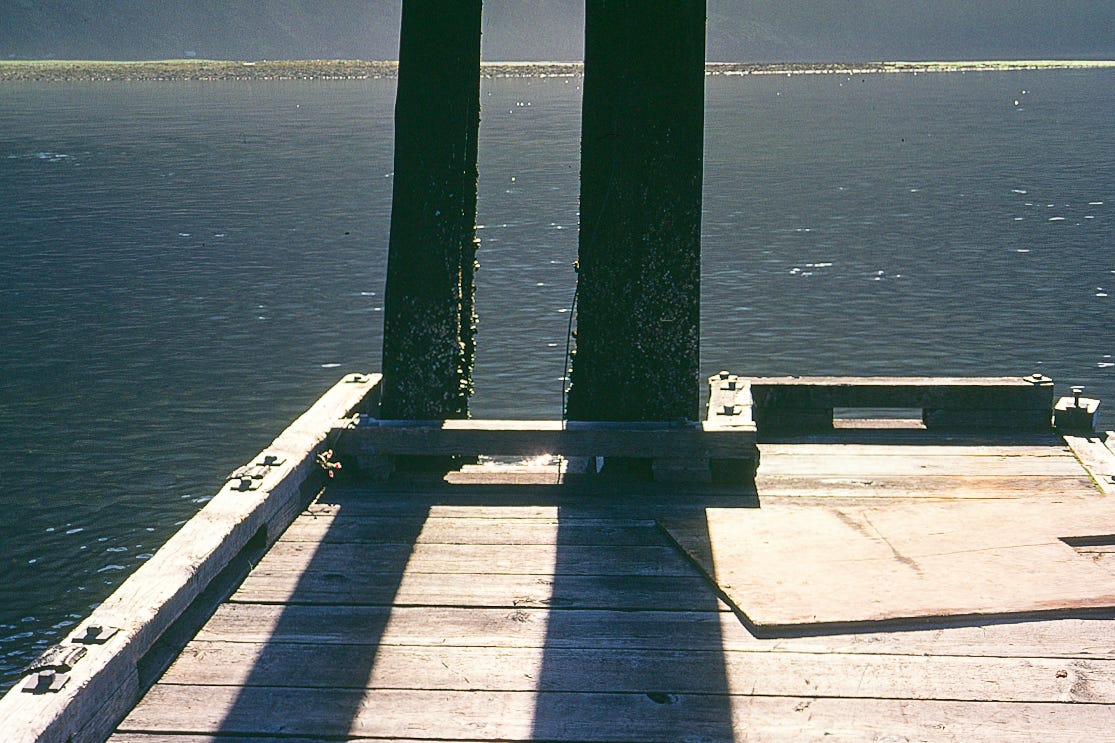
point(428, 310)
point(637, 347)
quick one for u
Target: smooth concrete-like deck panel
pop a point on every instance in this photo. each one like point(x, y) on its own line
point(482, 611)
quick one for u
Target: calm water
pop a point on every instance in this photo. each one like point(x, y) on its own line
point(188, 266)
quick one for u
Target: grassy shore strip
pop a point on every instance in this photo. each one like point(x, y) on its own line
point(348, 69)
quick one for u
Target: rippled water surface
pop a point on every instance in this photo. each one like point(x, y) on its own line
point(186, 267)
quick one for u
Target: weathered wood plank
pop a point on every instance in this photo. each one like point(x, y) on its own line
point(638, 502)
point(979, 393)
point(922, 437)
point(679, 630)
point(1037, 490)
point(773, 673)
point(885, 464)
point(1057, 449)
point(175, 738)
point(654, 715)
point(148, 603)
point(462, 590)
point(330, 528)
point(481, 559)
point(1097, 458)
point(535, 438)
point(898, 561)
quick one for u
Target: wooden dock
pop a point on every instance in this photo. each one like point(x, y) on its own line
point(495, 604)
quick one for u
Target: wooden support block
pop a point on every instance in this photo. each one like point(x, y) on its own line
point(1079, 414)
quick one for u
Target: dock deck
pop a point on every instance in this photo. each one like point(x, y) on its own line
point(500, 606)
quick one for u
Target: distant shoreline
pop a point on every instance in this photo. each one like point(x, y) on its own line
point(215, 70)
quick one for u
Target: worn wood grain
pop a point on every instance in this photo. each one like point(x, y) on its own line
point(655, 715)
point(534, 438)
point(697, 630)
point(485, 502)
point(1034, 489)
point(770, 673)
point(878, 563)
point(1097, 458)
point(329, 528)
point(621, 591)
point(885, 463)
point(481, 559)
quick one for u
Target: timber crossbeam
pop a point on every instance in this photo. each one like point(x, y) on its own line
point(786, 405)
point(680, 450)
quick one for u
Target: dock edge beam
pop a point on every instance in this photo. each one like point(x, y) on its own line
point(84, 695)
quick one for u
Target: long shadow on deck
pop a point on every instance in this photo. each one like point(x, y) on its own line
point(644, 661)
point(326, 637)
point(632, 648)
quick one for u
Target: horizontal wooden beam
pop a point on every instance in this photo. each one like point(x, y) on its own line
point(105, 683)
point(807, 403)
point(532, 438)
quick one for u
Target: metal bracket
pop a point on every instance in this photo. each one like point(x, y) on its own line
point(250, 476)
point(45, 681)
point(95, 634)
point(50, 671)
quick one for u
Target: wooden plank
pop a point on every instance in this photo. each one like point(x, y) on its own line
point(775, 673)
point(1096, 457)
point(883, 381)
point(535, 438)
point(956, 394)
point(481, 559)
point(882, 463)
point(942, 487)
point(106, 681)
point(329, 528)
point(655, 715)
point(642, 500)
point(175, 738)
point(356, 588)
point(880, 563)
point(651, 630)
point(922, 437)
point(1056, 449)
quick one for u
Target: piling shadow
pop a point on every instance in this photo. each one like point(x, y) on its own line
point(634, 664)
point(632, 647)
point(326, 638)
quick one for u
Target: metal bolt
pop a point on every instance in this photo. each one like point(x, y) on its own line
point(96, 634)
point(1076, 393)
point(725, 374)
point(44, 681)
